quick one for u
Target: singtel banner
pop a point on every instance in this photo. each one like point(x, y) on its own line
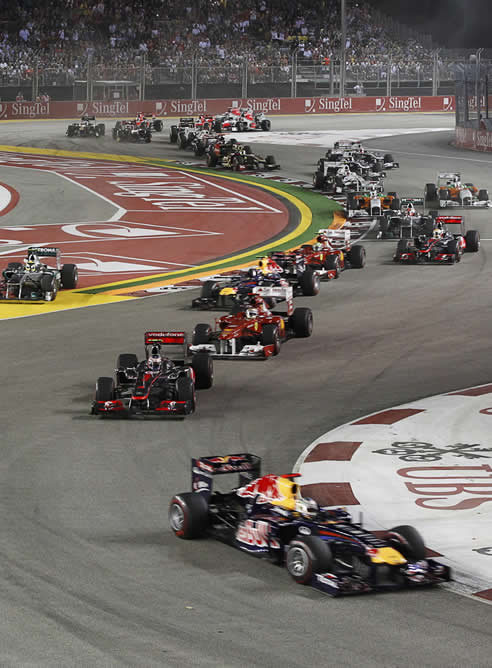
point(270, 106)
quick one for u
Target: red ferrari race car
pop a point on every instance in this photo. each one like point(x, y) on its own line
point(251, 331)
point(327, 258)
point(158, 385)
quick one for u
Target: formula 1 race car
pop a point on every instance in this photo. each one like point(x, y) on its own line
point(87, 127)
point(157, 385)
point(445, 243)
point(35, 281)
point(373, 201)
point(450, 191)
point(327, 258)
point(405, 222)
point(251, 331)
point(154, 124)
point(237, 119)
point(375, 159)
point(185, 125)
point(132, 131)
point(238, 158)
point(267, 516)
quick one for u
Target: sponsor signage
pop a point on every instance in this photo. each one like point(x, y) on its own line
point(477, 140)
point(270, 106)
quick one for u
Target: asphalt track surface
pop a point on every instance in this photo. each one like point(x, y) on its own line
point(90, 573)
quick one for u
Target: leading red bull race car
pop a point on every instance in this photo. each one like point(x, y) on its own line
point(267, 516)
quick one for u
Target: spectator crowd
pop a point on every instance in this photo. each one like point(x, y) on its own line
point(63, 40)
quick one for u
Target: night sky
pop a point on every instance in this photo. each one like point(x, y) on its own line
point(452, 23)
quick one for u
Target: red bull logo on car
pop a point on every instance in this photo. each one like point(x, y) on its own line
point(256, 534)
point(263, 490)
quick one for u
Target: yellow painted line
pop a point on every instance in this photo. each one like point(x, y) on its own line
point(65, 300)
point(188, 274)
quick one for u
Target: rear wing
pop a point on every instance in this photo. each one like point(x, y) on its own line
point(204, 468)
point(88, 118)
point(44, 252)
point(336, 235)
point(449, 220)
point(187, 121)
point(165, 338)
point(416, 201)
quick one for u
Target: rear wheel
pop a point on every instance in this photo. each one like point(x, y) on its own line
point(270, 161)
point(104, 389)
point(173, 134)
point(472, 239)
point(301, 322)
point(318, 180)
point(388, 157)
point(158, 125)
point(357, 257)
point(203, 367)
point(395, 204)
point(266, 125)
point(69, 276)
point(209, 289)
point(201, 334)
point(307, 555)
point(270, 337)
point(483, 195)
point(188, 515)
point(407, 540)
point(211, 160)
point(431, 195)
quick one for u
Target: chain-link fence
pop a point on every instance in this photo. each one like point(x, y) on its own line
point(472, 93)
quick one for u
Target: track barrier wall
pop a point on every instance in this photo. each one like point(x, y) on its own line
point(271, 106)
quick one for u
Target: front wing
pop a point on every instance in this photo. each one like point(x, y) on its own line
point(122, 408)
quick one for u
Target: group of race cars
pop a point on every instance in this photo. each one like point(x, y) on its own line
point(267, 515)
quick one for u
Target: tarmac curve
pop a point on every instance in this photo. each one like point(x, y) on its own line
point(91, 575)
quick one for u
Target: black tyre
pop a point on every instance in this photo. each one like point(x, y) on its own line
point(357, 257)
point(217, 126)
point(472, 239)
point(430, 194)
point(301, 322)
point(114, 133)
point(188, 515)
point(270, 337)
point(101, 129)
point(388, 157)
point(158, 125)
point(209, 290)
point(126, 361)
point(309, 282)
point(185, 391)
point(241, 126)
point(70, 131)
point(69, 276)
point(453, 249)
point(203, 366)
point(408, 542)
point(201, 334)
point(483, 195)
point(395, 204)
point(270, 161)
point(332, 263)
point(104, 389)
point(11, 269)
point(352, 202)
point(247, 150)
point(181, 141)
point(307, 555)
point(318, 180)
point(49, 287)
point(266, 125)
point(199, 149)
point(148, 137)
point(173, 134)
point(402, 247)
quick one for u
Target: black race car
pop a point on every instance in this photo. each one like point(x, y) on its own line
point(132, 131)
point(186, 125)
point(33, 280)
point(268, 517)
point(441, 239)
point(232, 155)
point(86, 127)
point(158, 385)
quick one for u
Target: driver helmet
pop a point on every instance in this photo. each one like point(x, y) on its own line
point(318, 247)
point(321, 238)
point(31, 263)
point(410, 209)
point(437, 233)
point(253, 273)
point(154, 361)
point(307, 507)
point(251, 312)
point(263, 264)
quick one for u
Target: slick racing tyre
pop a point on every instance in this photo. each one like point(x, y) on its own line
point(309, 282)
point(158, 125)
point(211, 160)
point(49, 287)
point(203, 366)
point(472, 239)
point(69, 276)
point(188, 515)
point(357, 257)
point(173, 134)
point(318, 180)
point(454, 250)
point(431, 195)
point(185, 391)
point(271, 337)
point(301, 322)
point(332, 263)
point(483, 195)
point(407, 540)
point(104, 389)
point(201, 334)
point(307, 555)
point(266, 125)
point(210, 289)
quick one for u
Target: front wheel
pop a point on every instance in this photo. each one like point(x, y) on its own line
point(307, 555)
point(301, 322)
point(188, 515)
point(270, 337)
point(407, 540)
point(104, 389)
point(203, 367)
point(69, 276)
point(472, 239)
point(357, 257)
point(309, 282)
